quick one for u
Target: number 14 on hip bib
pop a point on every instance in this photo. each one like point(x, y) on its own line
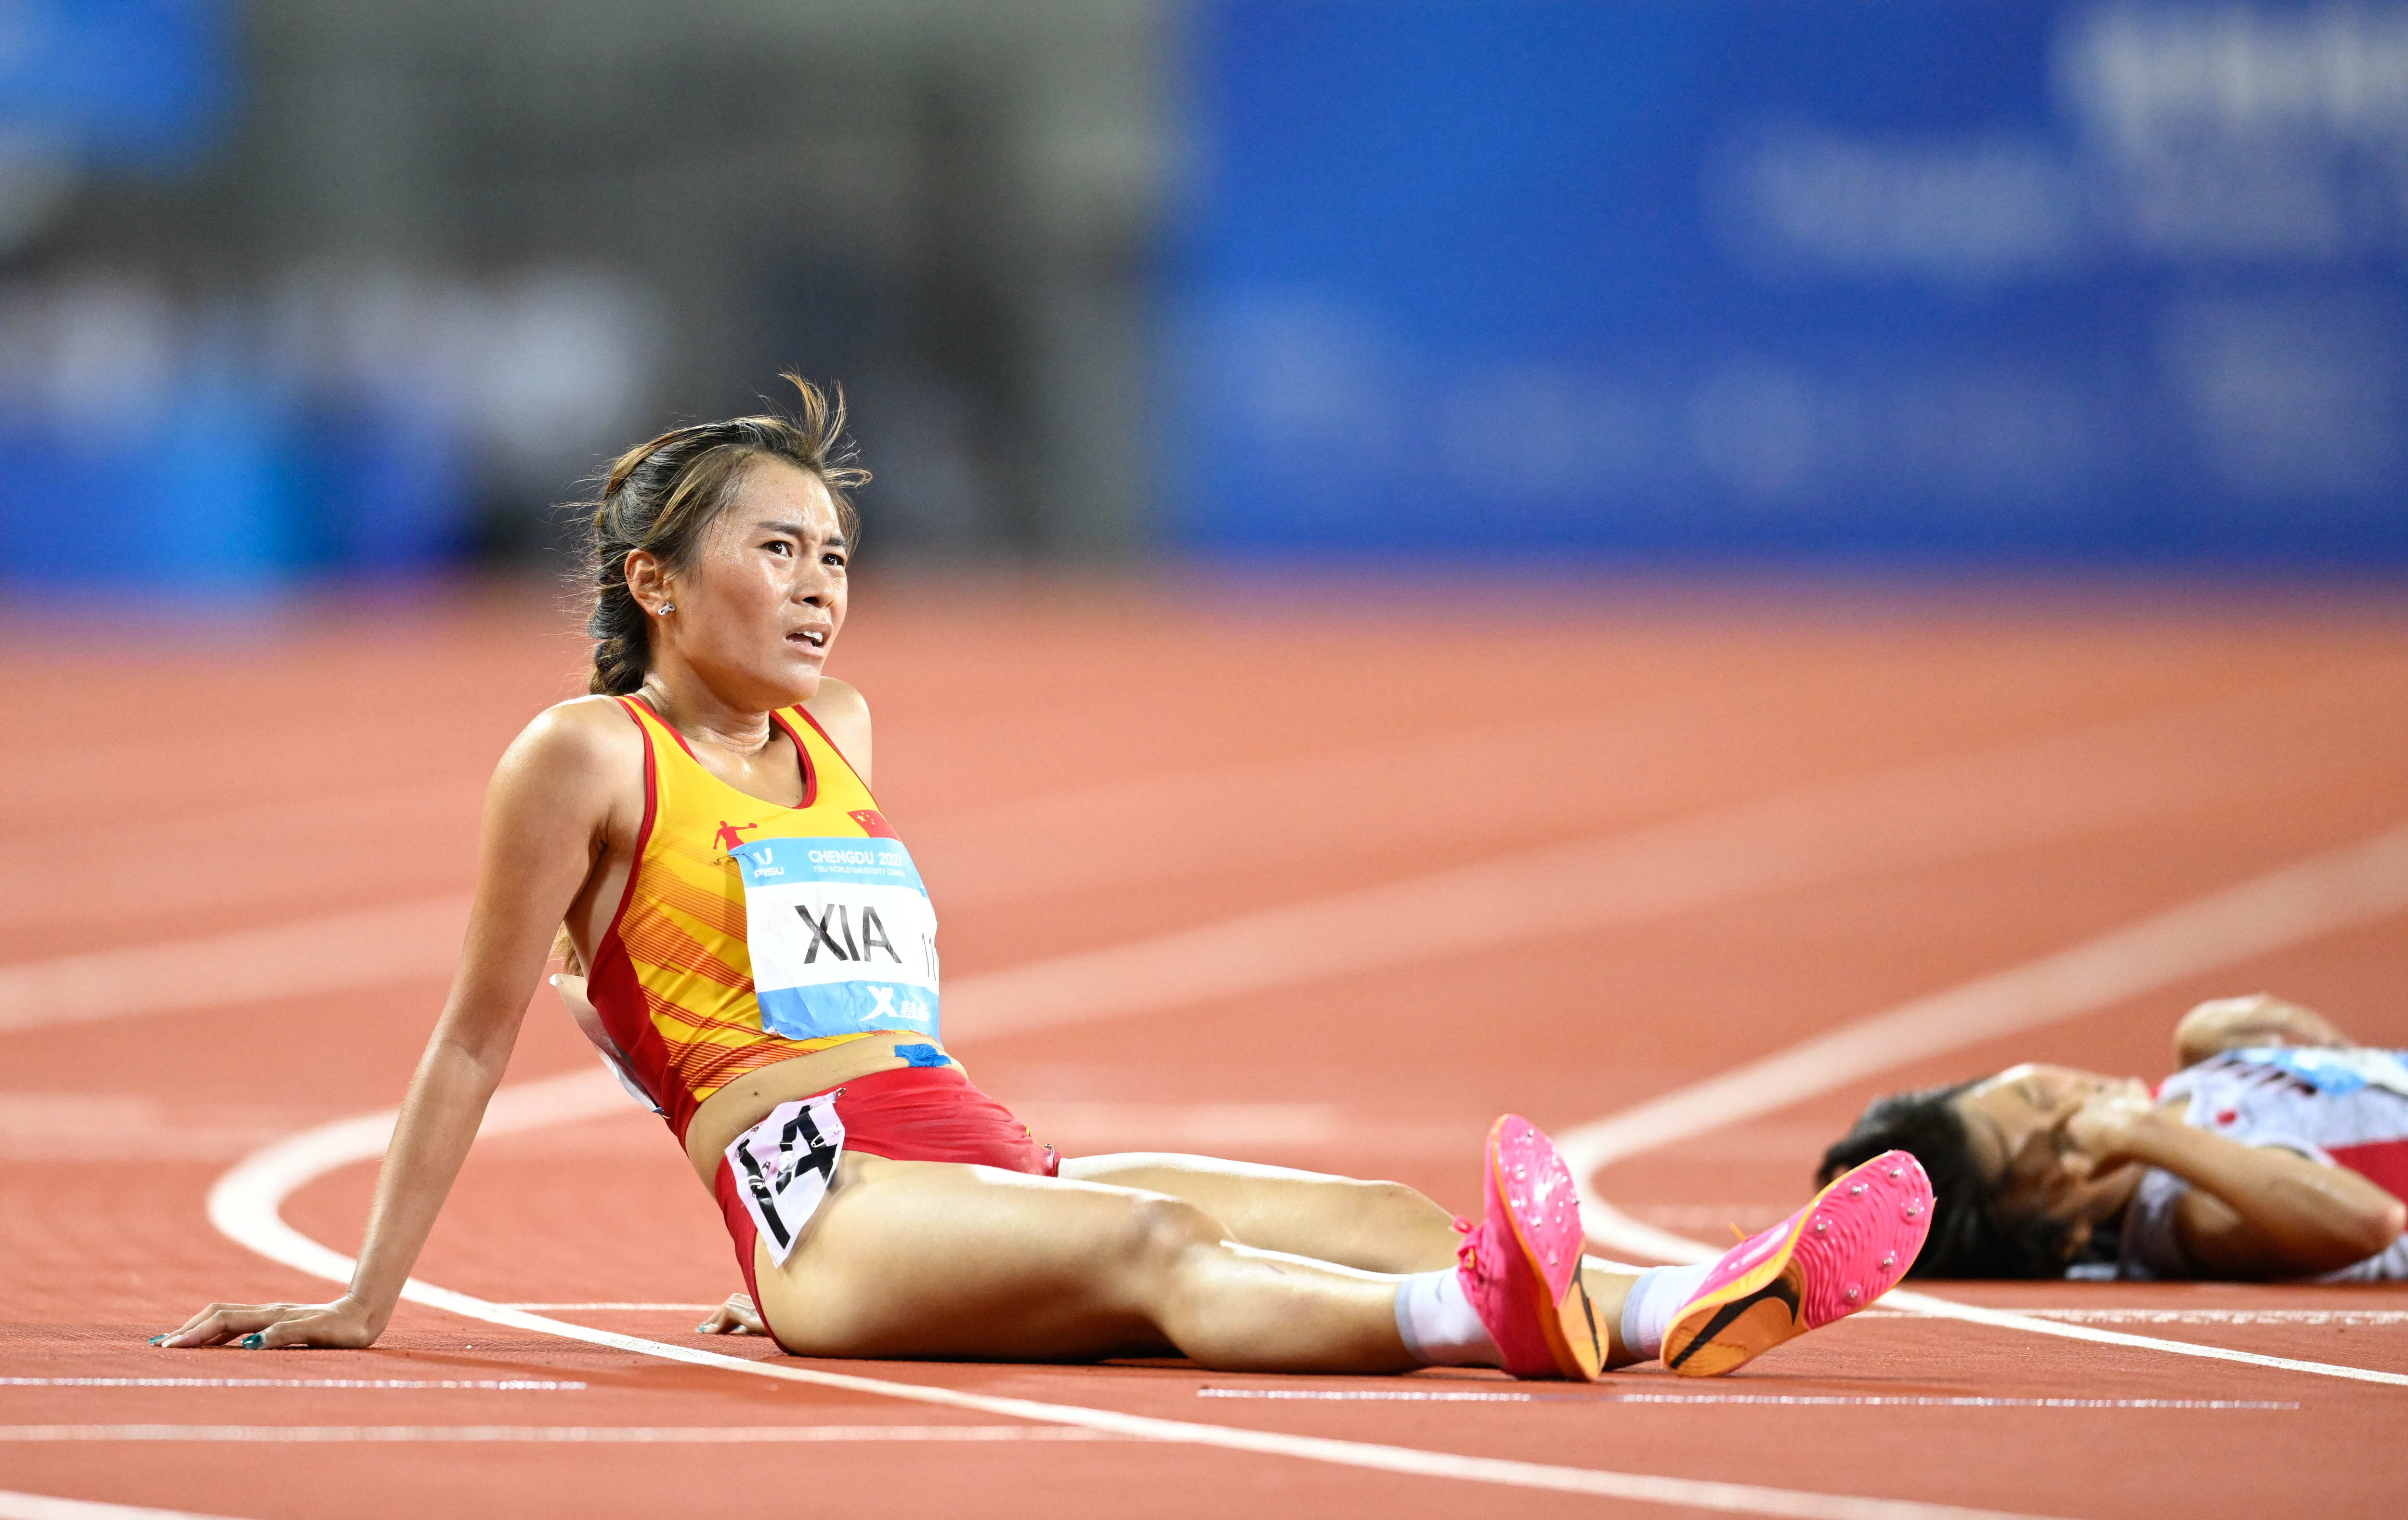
point(842, 937)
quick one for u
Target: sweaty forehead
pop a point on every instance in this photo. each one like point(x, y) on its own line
point(773, 489)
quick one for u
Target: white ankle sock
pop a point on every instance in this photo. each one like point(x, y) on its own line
point(1659, 1292)
point(1438, 1324)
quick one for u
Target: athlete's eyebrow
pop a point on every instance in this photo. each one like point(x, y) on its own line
point(796, 530)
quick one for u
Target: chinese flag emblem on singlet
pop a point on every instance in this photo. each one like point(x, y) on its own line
point(872, 823)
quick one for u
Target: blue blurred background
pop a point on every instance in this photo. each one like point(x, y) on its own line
point(298, 292)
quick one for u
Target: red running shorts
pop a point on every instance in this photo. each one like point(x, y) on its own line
point(910, 1114)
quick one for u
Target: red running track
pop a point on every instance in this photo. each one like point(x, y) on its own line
point(1783, 816)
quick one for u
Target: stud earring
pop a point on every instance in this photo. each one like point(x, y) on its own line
point(666, 608)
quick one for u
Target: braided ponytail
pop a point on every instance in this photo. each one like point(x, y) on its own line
point(660, 497)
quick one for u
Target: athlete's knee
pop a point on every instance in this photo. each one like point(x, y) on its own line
point(1395, 1197)
point(1158, 1234)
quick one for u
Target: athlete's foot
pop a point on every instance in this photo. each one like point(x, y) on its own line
point(1825, 1262)
point(1520, 1267)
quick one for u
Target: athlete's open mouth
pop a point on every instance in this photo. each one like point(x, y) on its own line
point(813, 637)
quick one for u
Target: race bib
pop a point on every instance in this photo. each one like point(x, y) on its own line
point(2336, 1073)
point(783, 1166)
point(842, 936)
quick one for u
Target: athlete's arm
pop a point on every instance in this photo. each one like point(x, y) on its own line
point(2252, 1211)
point(548, 813)
point(841, 712)
point(2231, 1024)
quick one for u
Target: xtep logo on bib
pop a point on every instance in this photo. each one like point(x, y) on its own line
point(730, 838)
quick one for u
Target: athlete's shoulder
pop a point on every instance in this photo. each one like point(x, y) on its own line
point(843, 714)
point(584, 720)
point(583, 735)
point(837, 699)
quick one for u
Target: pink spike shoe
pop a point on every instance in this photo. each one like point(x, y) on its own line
point(1825, 1262)
point(1520, 1267)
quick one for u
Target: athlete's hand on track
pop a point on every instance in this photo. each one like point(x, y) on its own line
point(344, 1322)
point(737, 1316)
point(2099, 1134)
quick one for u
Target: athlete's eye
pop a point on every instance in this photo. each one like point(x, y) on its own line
point(779, 546)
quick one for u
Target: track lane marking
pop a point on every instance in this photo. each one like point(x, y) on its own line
point(1884, 819)
point(1900, 1401)
point(489, 1384)
point(16, 1506)
point(246, 1204)
point(615, 1308)
point(2357, 884)
point(348, 952)
point(546, 1434)
point(1939, 1308)
point(2223, 1316)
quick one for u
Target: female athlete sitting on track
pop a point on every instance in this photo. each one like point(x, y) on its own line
point(762, 970)
point(2277, 1149)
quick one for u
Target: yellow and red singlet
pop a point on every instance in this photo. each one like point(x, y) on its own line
point(673, 979)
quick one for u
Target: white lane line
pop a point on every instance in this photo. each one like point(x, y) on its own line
point(616, 1308)
point(1888, 820)
point(338, 953)
point(1935, 1401)
point(640, 1435)
point(54, 879)
point(16, 1506)
point(1375, 1396)
point(487, 1384)
point(2223, 1316)
point(2357, 885)
point(245, 1204)
point(1885, 819)
point(1898, 1400)
point(1937, 1308)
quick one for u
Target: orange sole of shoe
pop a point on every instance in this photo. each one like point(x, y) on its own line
point(1740, 1332)
point(1825, 1271)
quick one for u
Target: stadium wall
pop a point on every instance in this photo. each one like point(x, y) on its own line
point(1916, 280)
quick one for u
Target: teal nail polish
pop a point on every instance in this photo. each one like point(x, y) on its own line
point(252, 1343)
point(157, 1338)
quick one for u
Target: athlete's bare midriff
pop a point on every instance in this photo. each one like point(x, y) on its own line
point(746, 1101)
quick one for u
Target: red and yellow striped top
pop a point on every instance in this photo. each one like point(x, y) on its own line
point(672, 978)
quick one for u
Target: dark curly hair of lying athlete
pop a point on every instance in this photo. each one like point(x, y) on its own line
point(2278, 1150)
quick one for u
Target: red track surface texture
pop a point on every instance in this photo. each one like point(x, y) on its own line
point(1563, 861)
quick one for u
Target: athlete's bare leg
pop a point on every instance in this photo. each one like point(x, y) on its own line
point(919, 1258)
point(1377, 1226)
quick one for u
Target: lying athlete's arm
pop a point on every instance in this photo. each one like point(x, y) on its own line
point(547, 814)
point(2252, 1212)
point(2232, 1024)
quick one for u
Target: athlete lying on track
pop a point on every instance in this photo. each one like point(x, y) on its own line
point(2267, 1155)
point(764, 973)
